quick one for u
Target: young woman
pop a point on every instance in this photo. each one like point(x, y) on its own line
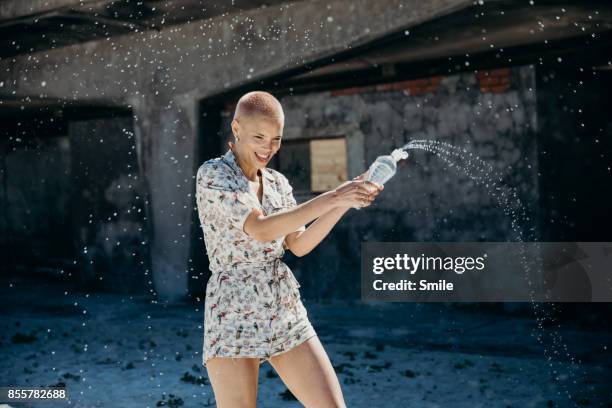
point(253, 311)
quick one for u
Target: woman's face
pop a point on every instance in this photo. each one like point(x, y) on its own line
point(259, 139)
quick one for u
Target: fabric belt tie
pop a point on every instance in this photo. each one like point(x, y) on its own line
point(285, 281)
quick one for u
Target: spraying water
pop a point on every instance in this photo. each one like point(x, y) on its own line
point(485, 174)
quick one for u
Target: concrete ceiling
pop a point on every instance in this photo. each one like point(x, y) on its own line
point(492, 26)
point(495, 25)
point(34, 25)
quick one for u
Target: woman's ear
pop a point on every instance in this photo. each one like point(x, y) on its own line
point(235, 126)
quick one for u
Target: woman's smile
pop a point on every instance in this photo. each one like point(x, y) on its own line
point(262, 158)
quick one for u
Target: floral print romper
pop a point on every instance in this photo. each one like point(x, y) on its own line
point(252, 306)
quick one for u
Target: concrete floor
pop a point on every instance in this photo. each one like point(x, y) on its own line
point(122, 351)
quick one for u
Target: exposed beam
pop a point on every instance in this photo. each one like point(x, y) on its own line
point(110, 21)
point(17, 9)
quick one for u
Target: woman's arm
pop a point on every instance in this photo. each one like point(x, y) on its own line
point(301, 243)
point(354, 193)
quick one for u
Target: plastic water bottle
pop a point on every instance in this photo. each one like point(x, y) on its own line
point(384, 167)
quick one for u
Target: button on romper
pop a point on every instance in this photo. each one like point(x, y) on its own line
point(252, 306)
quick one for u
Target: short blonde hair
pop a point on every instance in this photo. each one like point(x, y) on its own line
point(259, 103)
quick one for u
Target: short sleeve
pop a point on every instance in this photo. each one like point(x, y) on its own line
point(288, 199)
point(218, 197)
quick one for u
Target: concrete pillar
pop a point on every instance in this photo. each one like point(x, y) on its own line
point(166, 130)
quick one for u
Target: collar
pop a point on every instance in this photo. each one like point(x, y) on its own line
point(230, 158)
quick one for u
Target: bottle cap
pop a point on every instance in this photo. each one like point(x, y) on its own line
point(399, 154)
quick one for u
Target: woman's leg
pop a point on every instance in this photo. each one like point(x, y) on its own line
point(309, 375)
point(234, 381)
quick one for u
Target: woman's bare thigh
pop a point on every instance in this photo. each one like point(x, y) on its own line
point(234, 381)
point(308, 373)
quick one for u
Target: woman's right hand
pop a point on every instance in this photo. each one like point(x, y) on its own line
point(356, 193)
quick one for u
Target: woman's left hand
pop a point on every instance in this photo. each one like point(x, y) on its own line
point(374, 188)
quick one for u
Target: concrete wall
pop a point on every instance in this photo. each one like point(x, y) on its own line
point(108, 221)
point(34, 199)
point(575, 151)
point(73, 202)
point(493, 114)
